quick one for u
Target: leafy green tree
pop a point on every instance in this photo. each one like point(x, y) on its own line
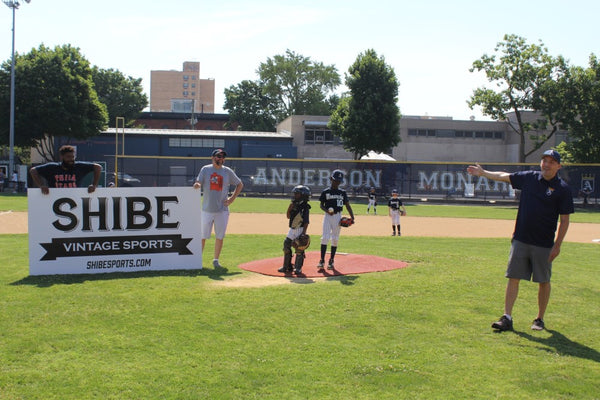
point(250, 107)
point(584, 130)
point(527, 78)
point(297, 85)
point(288, 84)
point(54, 96)
point(123, 96)
point(368, 118)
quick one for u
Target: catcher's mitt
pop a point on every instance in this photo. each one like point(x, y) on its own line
point(301, 242)
point(346, 222)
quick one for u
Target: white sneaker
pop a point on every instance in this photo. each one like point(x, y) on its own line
point(216, 264)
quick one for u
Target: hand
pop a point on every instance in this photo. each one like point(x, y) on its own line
point(475, 170)
point(44, 189)
point(197, 185)
point(91, 188)
point(554, 252)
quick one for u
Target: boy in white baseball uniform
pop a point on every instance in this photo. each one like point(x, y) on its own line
point(395, 209)
point(332, 201)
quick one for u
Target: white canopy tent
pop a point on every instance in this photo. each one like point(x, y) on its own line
point(377, 156)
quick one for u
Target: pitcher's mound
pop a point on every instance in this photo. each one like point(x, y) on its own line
point(345, 264)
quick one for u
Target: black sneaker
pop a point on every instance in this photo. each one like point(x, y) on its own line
point(330, 265)
point(504, 324)
point(285, 269)
point(538, 324)
point(321, 266)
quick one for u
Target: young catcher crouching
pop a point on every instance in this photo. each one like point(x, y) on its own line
point(298, 215)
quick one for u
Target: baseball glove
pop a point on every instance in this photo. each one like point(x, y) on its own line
point(403, 213)
point(301, 242)
point(346, 222)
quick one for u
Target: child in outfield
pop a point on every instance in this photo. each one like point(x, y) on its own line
point(372, 201)
point(298, 216)
point(396, 208)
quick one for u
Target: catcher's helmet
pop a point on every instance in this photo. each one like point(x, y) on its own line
point(304, 192)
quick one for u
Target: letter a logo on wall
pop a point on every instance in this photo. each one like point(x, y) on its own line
point(216, 182)
point(587, 183)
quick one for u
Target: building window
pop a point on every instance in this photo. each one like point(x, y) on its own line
point(196, 142)
point(185, 77)
point(181, 105)
point(320, 136)
point(450, 133)
point(185, 85)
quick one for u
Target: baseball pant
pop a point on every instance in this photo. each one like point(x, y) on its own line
point(331, 229)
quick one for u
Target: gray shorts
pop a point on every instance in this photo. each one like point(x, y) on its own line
point(526, 261)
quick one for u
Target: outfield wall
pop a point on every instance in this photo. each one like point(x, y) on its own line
point(271, 176)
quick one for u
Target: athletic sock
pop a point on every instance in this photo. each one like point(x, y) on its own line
point(323, 251)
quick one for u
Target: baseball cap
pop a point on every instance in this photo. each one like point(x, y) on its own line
point(337, 175)
point(218, 151)
point(394, 191)
point(552, 153)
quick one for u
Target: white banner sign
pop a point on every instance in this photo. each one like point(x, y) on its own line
point(72, 231)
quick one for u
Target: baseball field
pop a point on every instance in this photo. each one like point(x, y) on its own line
point(413, 333)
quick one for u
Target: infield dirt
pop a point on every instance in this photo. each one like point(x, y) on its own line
point(366, 225)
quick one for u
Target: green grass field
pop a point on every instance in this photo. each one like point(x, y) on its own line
point(422, 332)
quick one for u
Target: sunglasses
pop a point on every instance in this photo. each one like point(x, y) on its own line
point(219, 156)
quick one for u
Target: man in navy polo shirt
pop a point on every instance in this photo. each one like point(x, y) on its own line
point(545, 200)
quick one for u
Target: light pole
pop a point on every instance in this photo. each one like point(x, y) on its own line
point(14, 4)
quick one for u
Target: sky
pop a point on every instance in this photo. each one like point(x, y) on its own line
point(430, 44)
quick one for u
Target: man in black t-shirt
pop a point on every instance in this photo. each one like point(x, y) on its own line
point(66, 174)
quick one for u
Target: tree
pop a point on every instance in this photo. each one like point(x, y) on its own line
point(584, 130)
point(528, 80)
point(250, 107)
point(297, 85)
point(288, 84)
point(122, 96)
point(55, 96)
point(368, 118)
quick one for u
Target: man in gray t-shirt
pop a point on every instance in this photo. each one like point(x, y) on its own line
point(215, 180)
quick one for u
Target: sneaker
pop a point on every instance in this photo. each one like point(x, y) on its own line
point(321, 266)
point(285, 269)
point(538, 324)
point(393, 233)
point(216, 264)
point(298, 271)
point(330, 265)
point(504, 324)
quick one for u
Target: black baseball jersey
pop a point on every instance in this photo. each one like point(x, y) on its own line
point(372, 196)
point(334, 198)
point(394, 203)
point(59, 177)
point(299, 215)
